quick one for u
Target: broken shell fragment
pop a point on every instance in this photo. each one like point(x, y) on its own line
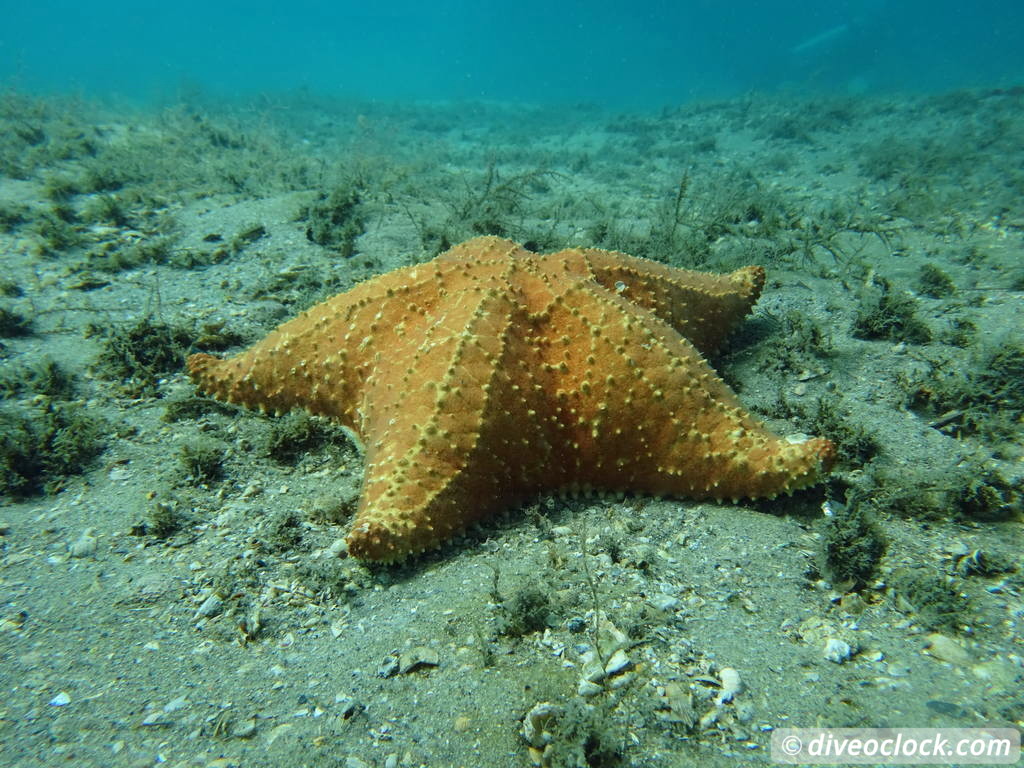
point(210, 607)
point(537, 722)
point(618, 662)
point(731, 684)
point(414, 658)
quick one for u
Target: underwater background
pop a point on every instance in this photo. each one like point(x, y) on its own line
point(176, 583)
point(613, 54)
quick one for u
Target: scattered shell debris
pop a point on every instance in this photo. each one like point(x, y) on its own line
point(837, 643)
point(403, 662)
point(606, 665)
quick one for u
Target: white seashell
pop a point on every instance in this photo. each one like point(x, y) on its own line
point(586, 689)
point(667, 603)
point(535, 724)
point(837, 650)
point(731, 684)
point(211, 607)
point(618, 662)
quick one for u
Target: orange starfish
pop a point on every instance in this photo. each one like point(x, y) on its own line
point(492, 374)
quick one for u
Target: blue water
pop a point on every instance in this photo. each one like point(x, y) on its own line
point(615, 54)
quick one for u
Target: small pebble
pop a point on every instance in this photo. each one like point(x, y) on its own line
point(251, 490)
point(388, 667)
point(85, 545)
point(897, 670)
point(62, 699)
point(592, 669)
point(576, 624)
point(999, 673)
point(347, 706)
point(744, 711)
point(946, 649)
point(119, 473)
point(173, 706)
point(621, 681)
point(245, 729)
point(338, 548)
point(853, 604)
point(947, 708)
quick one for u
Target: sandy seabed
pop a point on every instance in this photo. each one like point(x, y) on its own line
point(173, 587)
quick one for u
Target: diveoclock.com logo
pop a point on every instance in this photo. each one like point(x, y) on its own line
point(904, 746)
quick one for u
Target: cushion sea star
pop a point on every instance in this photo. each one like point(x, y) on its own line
point(492, 374)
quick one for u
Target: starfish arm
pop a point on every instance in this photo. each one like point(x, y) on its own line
point(319, 361)
point(638, 408)
point(327, 358)
point(703, 307)
point(439, 446)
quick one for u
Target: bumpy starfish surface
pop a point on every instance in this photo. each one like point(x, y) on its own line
point(492, 374)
